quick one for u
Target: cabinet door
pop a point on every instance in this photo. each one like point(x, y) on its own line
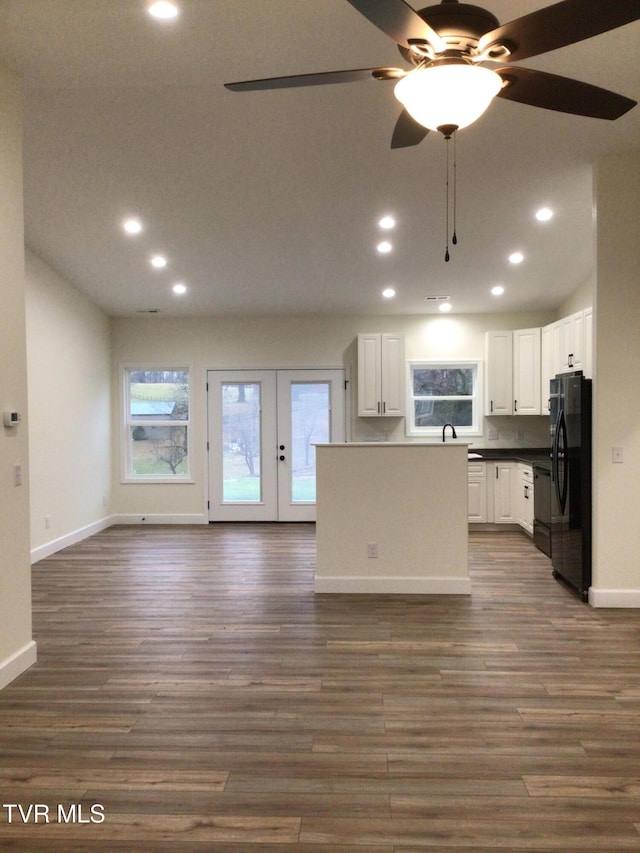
point(547, 371)
point(524, 499)
point(392, 375)
point(587, 367)
point(369, 377)
point(504, 510)
point(573, 334)
point(499, 367)
point(526, 371)
point(477, 492)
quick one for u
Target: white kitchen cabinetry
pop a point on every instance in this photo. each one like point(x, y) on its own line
point(524, 499)
point(587, 368)
point(566, 345)
point(477, 490)
point(501, 477)
point(573, 342)
point(550, 360)
point(526, 372)
point(512, 364)
point(381, 375)
point(499, 373)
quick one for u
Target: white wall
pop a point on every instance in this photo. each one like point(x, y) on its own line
point(616, 551)
point(69, 375)
point(287, 342)
point(17, 650)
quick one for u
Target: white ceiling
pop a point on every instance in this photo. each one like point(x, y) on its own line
point(267, 202)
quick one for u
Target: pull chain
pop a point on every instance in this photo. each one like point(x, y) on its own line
point(454, 239)
point(448, 131)
point(446, 252)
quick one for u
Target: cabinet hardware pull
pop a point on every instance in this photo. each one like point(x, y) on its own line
point(492, 405)
point(515, 405)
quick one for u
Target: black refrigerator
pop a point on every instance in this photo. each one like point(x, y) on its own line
point(570, 407)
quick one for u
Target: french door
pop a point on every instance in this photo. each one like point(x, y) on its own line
point(262, 428)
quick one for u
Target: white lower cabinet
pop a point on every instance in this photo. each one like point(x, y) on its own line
point(503, 479)
point(497, 493)
point(524, 499)
point(477, 486)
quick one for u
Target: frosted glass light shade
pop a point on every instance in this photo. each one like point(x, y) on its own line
point(441, 95)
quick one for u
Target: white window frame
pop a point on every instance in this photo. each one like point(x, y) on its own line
point(127, 475)
point(475, 429)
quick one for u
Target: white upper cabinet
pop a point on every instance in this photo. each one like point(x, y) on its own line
point(499, 373)
point(512, 363)
point(573, 342)
point(566, 345)
point(587, 367)
point(381, 375)
point(526, 372)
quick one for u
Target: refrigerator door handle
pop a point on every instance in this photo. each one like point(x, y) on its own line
point(561, 449)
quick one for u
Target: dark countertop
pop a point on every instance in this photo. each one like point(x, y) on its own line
point(529, 455)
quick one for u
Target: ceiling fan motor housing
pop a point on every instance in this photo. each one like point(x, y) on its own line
point(461, 25)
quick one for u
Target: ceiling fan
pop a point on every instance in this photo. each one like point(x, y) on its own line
point(459, 54)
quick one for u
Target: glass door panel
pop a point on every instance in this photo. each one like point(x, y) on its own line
point(310, 412)
point(262, 431)
point(242, 442)
point(310, 423)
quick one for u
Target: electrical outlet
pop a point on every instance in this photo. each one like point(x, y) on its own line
point(617, 454)
point(372, 549)
point(47, 521)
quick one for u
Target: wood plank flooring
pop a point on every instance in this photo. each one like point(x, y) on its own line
point(194, 691)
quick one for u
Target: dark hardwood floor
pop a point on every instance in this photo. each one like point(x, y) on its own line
point(194, 691)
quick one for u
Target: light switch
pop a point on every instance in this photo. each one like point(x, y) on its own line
point(617, 454)
point(17, 475)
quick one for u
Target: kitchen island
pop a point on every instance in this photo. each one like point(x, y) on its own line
point(392, 518)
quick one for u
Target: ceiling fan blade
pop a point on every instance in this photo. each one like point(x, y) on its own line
point(407, 131)
point(399, 21)
point(563, 23)
point(551, 92)
point(320, 79)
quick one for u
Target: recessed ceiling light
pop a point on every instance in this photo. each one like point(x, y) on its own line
point(388, 293)
point(516, 258)
point(132, 225)
point(498, 290)
point(544, 214)
point(163, 10)
point(385, 247)
point(387, 222)
point(179, 288)
point(445, 307)
point(158, 262)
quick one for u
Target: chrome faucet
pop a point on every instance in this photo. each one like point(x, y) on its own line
point(453, 431)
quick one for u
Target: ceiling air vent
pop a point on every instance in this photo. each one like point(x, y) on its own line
point(436, 299)
point(148, 311)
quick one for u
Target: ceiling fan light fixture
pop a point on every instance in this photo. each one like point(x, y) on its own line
point(449, 94)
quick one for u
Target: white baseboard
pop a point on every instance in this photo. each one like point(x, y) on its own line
point(71, 538)
point(160, 518)
point(75, 536)
point(393, 585)
point(614, 597)
point(17, 663)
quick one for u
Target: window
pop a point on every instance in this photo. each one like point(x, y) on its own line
point(156, 424)
point(441, 393)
